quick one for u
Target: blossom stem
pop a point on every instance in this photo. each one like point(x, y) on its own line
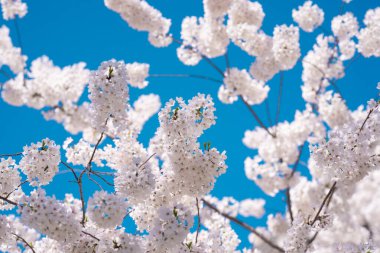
point(96, 238)
point(15, 154)
point(323, 203)
point(9, 201)
point(269, 118)
point(368, 115)
point(227, 62)
point(24, 241)
point(256, 117)
point(287, 192)
point(188, 75)
point(244, 225)
point(199, 222)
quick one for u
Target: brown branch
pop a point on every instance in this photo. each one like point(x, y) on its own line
point(147, 160)
point(289, 204)
point(244, 225)
point(287, 192)
point(188, 75)
point(9, 194)
point(213, 65)
point(96, 238)
point(6, 74)
point(88, 167)
point(203, 56)
point(9, 201)
point(368, 115)
point(227, 62)
point(268, 112)
point(24, 241)
point(71, 169)
point(98, 174)
point(199, 222)
point(323, 203)
point(256, 117)
point(14, 154)
point(80, 186)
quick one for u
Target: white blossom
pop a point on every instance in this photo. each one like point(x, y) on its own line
point(13, 8)
point(10, 55)
point(106, 210)
point(368, 40)
point(49, 216)
point(344, 26)
point(252, 207)
point(240, 83)
point(109, 96)
point(137, 73)
point(40, 162)
point(308, 16)
point(286, 47)
point(143, 17)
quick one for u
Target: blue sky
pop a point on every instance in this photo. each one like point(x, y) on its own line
point(70, 31)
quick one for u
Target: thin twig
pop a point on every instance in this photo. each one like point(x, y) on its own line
point(93, 180)
point(94, 151)
point(14, 154)
point(287, 192)
point(24, 241)
point(18, 33)
point(268, 112)
point(71, 169)
point(96, 238)
point(95, 173)
point(188, 75)
point(9, 194)
point(147, 160)
point(256, 116)
point(80, 186)
point(244, 225)
point(289, 204)
point(227, 62)
point(212, 64)
point(9, 201)
point(323, 203)
point(208, 60)
point(368, 115)
point(6, 74)
point(199, 222)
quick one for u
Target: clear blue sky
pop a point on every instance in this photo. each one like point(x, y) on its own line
point(85, 30)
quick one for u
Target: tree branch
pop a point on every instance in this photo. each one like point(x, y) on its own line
point(244, 225)
point(187, 76)
point(256, 116)
point(287, 192)
point(24, 241)
point(14, 154)
point(9, 201)
point(199, 221)
point(323, 203)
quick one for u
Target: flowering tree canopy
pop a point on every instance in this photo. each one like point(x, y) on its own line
point(164, 188)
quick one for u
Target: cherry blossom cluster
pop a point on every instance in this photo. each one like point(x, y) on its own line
point(308, 16)
point(13, 8)
point(9, 54)
point(46, 85)
point(240, 83)
point(40, 162)
point(143, 17)
point(109, 95)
